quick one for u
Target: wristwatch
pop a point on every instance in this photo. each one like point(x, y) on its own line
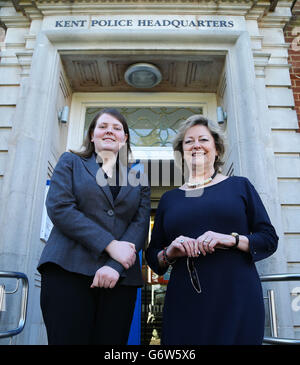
point(237, 238)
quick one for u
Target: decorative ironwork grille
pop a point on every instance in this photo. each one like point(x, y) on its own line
point(150, 126)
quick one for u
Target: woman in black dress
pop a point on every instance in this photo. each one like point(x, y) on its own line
point(211, 230)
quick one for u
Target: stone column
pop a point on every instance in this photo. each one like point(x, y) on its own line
point(24, 183)
point(257, 162)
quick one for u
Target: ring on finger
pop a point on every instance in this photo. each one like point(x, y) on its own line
point(181, 241)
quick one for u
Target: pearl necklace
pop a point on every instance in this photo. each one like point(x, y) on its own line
point(202, 183)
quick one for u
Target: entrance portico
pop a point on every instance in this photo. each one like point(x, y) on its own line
point(79, 59)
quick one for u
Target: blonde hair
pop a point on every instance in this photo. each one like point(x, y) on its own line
point(214, 130)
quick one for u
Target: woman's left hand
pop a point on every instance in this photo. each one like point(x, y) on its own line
point(105, 277)
point(210, 240)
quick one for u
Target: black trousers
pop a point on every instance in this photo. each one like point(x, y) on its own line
point(75, 314)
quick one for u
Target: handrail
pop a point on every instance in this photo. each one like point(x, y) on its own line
point(281, 341)
point(273, 340)
point(25, 286)
point(280, 277)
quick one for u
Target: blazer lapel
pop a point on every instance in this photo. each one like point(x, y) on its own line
point(124, 182)
point(95, 170)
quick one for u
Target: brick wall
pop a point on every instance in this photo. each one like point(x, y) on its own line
point(292, 36)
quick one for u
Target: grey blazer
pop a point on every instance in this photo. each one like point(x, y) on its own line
point(86, 218)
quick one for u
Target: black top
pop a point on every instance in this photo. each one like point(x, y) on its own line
point(114, 181)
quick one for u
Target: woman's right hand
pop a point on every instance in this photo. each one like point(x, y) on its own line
point(105, 277)
point(182, 246)
point(122, 251)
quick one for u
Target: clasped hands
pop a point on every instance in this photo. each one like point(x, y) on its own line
point(204, 244)
point(122, 251)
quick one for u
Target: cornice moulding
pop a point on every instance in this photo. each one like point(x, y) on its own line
point(2, 64)
point(12, 45)
point(273, 22)
point(276, 45)
point(279, 65)
point(251, 9)
point(53, 7)
point(262, 55)
point(132, 9)
point(15, 22)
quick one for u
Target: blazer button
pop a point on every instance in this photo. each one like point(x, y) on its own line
point(110, 212)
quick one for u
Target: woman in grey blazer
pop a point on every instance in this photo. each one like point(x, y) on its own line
point(100, 211)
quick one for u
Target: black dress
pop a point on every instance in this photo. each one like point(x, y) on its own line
point(230, 308)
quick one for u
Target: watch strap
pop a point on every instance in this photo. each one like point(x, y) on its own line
point(237, 239)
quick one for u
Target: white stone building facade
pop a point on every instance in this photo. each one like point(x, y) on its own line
point(71, 53)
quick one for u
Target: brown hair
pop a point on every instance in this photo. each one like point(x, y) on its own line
point(88, 147)
point(213, 128)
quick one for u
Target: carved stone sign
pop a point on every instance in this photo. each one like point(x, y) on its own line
point(141, 22)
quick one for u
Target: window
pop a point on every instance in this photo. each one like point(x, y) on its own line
point(150, 126)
